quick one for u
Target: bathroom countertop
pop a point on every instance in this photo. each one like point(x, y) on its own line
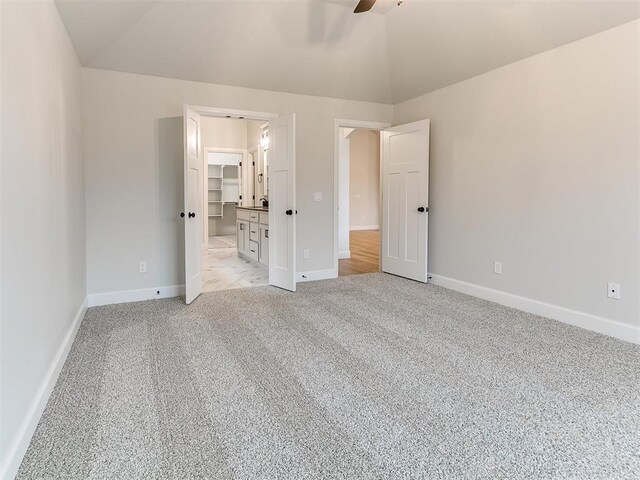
point(257, 209)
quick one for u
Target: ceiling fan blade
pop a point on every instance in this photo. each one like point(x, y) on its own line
point(364, 6)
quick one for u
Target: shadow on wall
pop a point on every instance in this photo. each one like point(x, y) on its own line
point(170, 199)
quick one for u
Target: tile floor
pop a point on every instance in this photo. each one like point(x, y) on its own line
point(223, 269)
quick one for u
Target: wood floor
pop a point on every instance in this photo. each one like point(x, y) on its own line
point(365, 253)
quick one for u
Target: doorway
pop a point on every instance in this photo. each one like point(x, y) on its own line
point(233, 162)
point(233, 173)
point(359, 201)
point(404, 200)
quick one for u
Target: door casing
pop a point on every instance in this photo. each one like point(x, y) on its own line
point(223, 113)
point(337, 124)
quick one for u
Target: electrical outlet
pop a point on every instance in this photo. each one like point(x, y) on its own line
point(143, 267)
point(497, 268)
point(613, 291)
point(305, 253)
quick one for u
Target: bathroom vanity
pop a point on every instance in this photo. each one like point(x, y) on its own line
point(252, 228)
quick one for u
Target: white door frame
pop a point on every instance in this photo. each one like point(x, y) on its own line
point(227, 113)
point(337, 124)
point(205, 199)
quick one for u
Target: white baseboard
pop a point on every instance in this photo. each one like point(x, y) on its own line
point(11, 462)
point(602, 325)
point(365, 227)
point(315, 275)
point(344, 254)
point(126, 296)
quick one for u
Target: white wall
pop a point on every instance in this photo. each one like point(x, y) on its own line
point(537, 165)
point(43, 287)
point(364, 179)
point(133, 134)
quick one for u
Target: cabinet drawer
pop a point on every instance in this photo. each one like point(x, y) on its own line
point(253, 250)
point(254, 232)
point(242, 214)
point(253, 216)
point(264, 218)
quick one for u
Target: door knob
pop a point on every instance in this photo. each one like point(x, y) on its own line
point(423, 209)
point(192, 215)
point(181, 214)
point(289, 212)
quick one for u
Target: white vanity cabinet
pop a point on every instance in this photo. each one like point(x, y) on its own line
point(253, 234)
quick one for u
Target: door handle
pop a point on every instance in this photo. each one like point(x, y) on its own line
point(192, 215)
point(181, 214)
point(423, 209)
point(289, 212)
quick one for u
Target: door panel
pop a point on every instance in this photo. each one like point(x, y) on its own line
point(282, 208)
point(193, 225)
point(392, 216)
point(405, 188)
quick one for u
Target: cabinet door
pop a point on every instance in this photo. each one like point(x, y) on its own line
point(264, 244)
point(242, 231)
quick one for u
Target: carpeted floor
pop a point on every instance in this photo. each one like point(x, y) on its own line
point(368, 376)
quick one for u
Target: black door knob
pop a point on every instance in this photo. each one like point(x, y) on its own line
point(181, 214)
point(423, 209)
point(192, 215)
point(289, 212)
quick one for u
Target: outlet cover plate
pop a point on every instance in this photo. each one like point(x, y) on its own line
point(613, 290)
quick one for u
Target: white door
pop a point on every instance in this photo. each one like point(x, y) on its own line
point(405, 200)
point(282, 203)
point(192, 204)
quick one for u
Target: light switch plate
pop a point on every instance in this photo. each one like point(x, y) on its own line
point(497, 268)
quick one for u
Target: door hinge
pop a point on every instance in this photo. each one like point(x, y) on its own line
point(240, 197)
point(254, 197)
point(253, 163)
point(240, 163)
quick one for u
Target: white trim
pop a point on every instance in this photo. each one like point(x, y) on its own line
point(207, 150)
point(602, 325)
point(28, 426)
point(337, 124)
point(126, 296)
point(232, 113)
point(316, 275)
point(344, 254)
point(363, 227)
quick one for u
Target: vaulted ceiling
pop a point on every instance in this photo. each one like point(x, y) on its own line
point(319, 47)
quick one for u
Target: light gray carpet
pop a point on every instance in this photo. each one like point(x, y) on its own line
point(367, 376)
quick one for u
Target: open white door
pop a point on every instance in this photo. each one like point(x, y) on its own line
point(405, 196)
point(192, 204)
point(282, 203)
